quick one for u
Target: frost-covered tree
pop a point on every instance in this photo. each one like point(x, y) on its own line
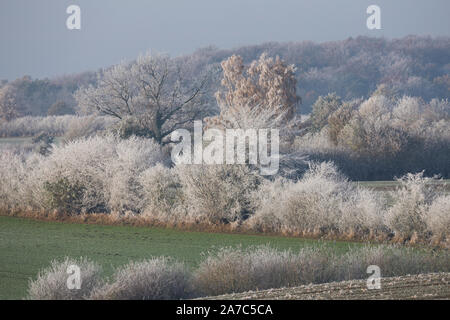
point(265, 90)
point(340, 118)
point(155, 91)
point(9, 106)
point(323, 108)
point(261, 96)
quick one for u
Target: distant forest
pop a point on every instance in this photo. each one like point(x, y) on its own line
point(352, 68)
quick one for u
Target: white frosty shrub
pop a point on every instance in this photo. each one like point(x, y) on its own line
point(153, 279)
point(322, 201)
point(438, 218)
point(132, 157)
point(362, 211)
point(217, 193)
point(232, 270)
point(407, 216)
point(12, 172)
point(161, 194)
point(51, 283)
point(95, 174)
point(257, 268)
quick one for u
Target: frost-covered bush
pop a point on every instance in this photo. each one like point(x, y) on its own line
point(437, 218)
point(322, 201)
point(420, 209)
point(132, 157)
point(96, 174)
point(12, 172)
point(217, 193)
point(412, 200)
point(83, 163)
point(236, 270)
point(231, 270)
point(153, 279)
point(64, 195)
point(52, 282)
point(161, 194)
point(392, 260)
point(362, 212)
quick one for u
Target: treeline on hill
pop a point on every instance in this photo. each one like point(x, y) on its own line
point(352, 68)
point(41, 97)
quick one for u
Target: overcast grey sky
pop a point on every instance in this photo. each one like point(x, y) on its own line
point(34, 39)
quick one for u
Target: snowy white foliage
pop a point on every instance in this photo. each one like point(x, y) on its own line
point(419, 208)
point(217, 193)
point(94, 174)
point(52, 125)
point(322, 201)
point(153, 279)
point(231, 270)
point(51, 283)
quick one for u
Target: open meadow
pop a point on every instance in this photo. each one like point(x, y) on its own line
point(26, 246)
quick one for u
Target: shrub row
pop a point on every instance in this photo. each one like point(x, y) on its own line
point(111, 175)
point(232, 270)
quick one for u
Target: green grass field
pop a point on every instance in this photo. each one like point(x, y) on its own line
point(27, 245)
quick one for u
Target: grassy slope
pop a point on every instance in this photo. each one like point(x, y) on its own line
point(28, 245)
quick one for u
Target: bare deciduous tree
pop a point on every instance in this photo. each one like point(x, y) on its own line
point(155, 90)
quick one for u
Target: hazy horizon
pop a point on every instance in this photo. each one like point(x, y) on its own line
point(36, 42)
